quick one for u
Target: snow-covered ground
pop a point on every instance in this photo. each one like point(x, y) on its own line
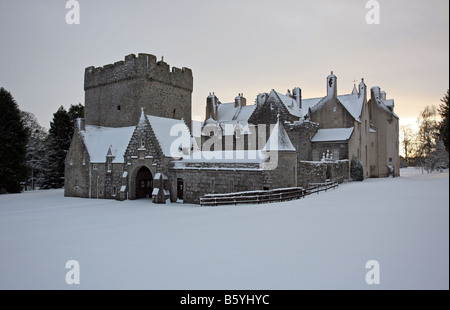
point(320, 242)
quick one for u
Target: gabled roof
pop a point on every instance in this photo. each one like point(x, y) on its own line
point(228, 112)
point(279, 140)
point(162, 128)
point(333, 134)
point(387, 105)
point(353, 103)
point(101, 141)
point(309, 103)
point(288, 102)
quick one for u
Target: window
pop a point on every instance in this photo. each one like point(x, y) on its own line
point(315, 155)
point(367, 156)
point(336, 154)
point(71, 161)
point(119, 108)
point(84, 161)
point(142, 142)
point(114, 191)
point(390, 159)
point(109, 165)
point(95, 166)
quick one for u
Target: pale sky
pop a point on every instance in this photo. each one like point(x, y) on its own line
point(245, 46)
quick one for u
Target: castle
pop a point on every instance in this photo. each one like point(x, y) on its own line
point(137, 139)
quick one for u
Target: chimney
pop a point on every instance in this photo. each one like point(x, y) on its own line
point(332, 86)
point(297, 92)
point(240, 101)
point(383, 95)
point(81, 124)
point(362, 89)
point(375, 92)
point(261, 98)
point(211, 106)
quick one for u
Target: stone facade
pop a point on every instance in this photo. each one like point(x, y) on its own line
point(115, 94)
point(132, 106)
point(320, 172)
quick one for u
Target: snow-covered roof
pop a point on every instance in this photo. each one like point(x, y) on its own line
point(279, 140)
point(99, 140)
point(387, 105)
point(228, 112)
point(309, 103)
point(237, 156)
point(333, 134)
point(290, 104)
point(162, 126)
point(353, 104)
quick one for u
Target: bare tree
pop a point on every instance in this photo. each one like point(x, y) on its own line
point(407, 141)
point(426, 137)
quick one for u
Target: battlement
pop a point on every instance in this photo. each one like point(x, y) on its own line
point(144, 66)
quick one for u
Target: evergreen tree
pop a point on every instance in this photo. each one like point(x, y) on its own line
point(356, 170)
point(443, 125)
point(36, 149)
point(58, 143)
point(13, 141)
point(75, 111)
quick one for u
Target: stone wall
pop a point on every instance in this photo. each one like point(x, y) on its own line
point(114, 94)
point(319, 172)
point(76, 175)
point(300, 134)
point(199, 182)
point(318, 148)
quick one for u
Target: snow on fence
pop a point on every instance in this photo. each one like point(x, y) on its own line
point(265, 196)
point(320, 187)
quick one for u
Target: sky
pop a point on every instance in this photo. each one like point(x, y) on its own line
point(245, 46)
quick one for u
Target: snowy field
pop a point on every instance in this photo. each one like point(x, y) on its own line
point(320, 242)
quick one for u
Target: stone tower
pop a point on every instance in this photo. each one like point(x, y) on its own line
point(115, 94)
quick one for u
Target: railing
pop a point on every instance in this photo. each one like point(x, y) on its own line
point(267, 196)
point(320, 187)
point(253, 197)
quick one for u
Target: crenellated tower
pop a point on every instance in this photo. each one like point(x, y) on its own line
point(115, 93)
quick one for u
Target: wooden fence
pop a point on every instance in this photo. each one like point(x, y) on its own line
point(267, 196)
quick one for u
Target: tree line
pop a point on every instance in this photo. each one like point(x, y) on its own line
point(30, 156)
point(428, 146)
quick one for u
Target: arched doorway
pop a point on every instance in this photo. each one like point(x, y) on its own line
point(144, 183)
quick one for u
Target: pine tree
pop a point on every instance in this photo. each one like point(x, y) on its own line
point(444, 124)
point(13, 141)
point(36, 149)
point(75, 111)
point(58, 143)
point(356, 170)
